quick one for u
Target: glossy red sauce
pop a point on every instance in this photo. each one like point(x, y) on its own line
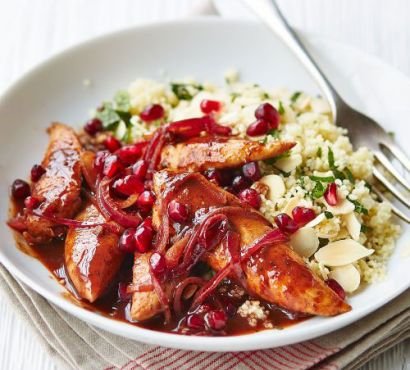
point(52, 257)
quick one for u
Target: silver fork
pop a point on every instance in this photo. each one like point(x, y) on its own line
point(363, 131)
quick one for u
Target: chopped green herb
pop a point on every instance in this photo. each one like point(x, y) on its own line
point(319, 152)
point(365, 229)
point(295, 96)
point(331, 159)
point(358, 207)
point(185, 91)
point(271, 161)
point(322, 179)
point(328, 215)
point(273, 132)
point(318, 190)
point(281, 109)
point(122, 101)
point(234, 95)
point(301, 181)
point(265, 95)
point(391, 134)
point(349, 175)
point(108, 115)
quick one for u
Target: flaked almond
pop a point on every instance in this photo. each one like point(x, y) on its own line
point(343, 207)
point(353, 225)
point(305, 241)
point(316, 221)
point(342, 252)
point(289, 164)
point(347, 276)
point(276, 186)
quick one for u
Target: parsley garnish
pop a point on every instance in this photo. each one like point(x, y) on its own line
point(265, 95)
point(295, 96)
point(122, 101)
point(281, 109)
point(318, 190)
point(358, 207)
point(271, 161)
point(365, 229)
point(183, 91)
point(234, 95)
point(349, 175)
point(328, 215)
point(112, 113)
point(338, 174)
point(319, 152)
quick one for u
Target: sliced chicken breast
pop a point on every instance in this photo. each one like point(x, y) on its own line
point(276, 274)
point(59, 187)
point(92, 256)
point(199, 154)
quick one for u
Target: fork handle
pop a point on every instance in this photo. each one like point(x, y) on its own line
point(270, 14)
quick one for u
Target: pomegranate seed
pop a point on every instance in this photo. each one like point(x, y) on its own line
point(140, 169)
point(230, 309)
point(123, 295)
point(130, 153)
point(195, 322)
point(337, 288)
point(250, 197)
point(285, 223)
point(240, 183)
point(144, 235)
point(208, 106)
point(99, 160)
point(112, 166)
point(20, 189)
point(31, 202)
point(331, 194)
point(112, 143)
point(36, 172)
point(267, 112)
point(251, 171)
point(158, 263)
point(93, 126)
point(177, 211)
point(152, 112)
point(146, 200)
point(128, 185)
point(258, 128)
point(127, 241)
point(216, 319)
point(303, 215)
point(213, 176)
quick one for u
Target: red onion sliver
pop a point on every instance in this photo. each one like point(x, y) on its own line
point(110, 208)
point(193, 280)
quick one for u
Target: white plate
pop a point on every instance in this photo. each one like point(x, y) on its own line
point(204, 48)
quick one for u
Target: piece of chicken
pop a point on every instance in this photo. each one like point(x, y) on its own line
point(92, 256)
point(199, 154)
point(59, 187)
point(276, 274)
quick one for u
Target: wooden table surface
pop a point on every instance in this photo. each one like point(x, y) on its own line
point(32, 30)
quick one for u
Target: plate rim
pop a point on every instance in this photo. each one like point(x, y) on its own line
point(210, 344)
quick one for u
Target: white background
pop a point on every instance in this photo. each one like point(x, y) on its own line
point(32, 30)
